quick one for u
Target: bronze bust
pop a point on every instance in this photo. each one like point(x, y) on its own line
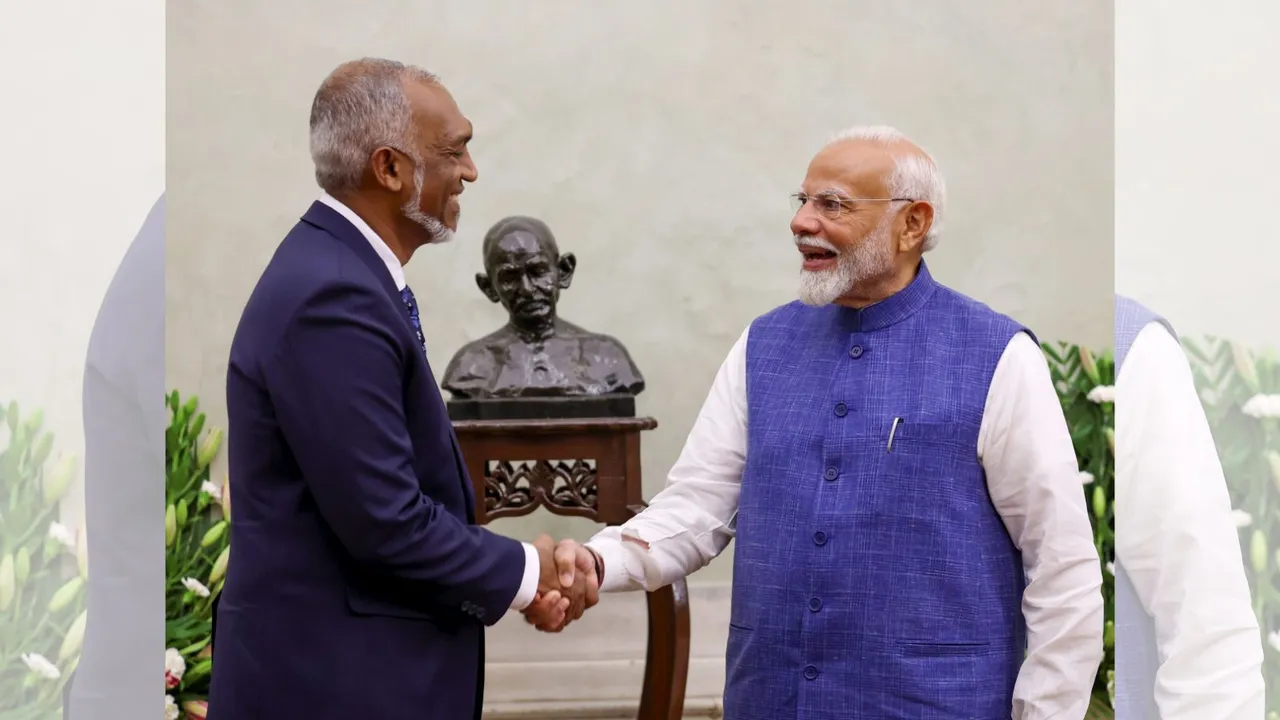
point(537, 354)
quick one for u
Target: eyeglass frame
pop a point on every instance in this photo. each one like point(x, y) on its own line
point(845, 203)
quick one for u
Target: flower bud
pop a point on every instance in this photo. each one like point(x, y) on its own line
point(1089, 366)
point(1244, 365)
point(1273, 459)
point(44, 446)
point(1099, 502)
point(196, 709)
point(208, 449)
point(21, 566)
point(11, 416)
point(35, 421)
point(226, 497)
point(8, 584)
point(66, 594)
point(57, 482)
point(170, 525)
point(214, 534)
point(1111, 439)
point(82, 551)
point(1258, 551)
point(219, 566)
point(1109, 634)
point(74, 638)
point(197, 426)
point(182, 513)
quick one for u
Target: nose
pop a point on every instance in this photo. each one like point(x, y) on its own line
point(469, 171)
point(805, 222)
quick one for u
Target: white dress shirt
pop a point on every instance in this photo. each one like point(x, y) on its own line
point(1033, 478)
point(1177, 541)
point(532, 565)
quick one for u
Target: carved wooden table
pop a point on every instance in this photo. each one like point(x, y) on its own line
point(583, 468)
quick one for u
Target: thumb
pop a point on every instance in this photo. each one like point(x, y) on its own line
point(565, 556)
point(586, 562)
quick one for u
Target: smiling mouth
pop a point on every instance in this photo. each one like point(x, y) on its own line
point(814, 254)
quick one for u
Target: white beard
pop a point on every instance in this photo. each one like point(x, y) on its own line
point(871, 258)
point(436, 229)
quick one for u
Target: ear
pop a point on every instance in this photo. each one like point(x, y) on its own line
point(389, 169)
point(566, 266)
point(916, 221)
point(486, 286)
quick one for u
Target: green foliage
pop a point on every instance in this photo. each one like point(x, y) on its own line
point(42, 571)
point(1228, 376)
point(196, 544)
point(1082, 380)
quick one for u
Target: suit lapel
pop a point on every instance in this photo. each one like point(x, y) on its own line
point(329, 220)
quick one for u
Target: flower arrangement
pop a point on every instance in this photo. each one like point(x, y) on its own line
point(197, 514)
point(1241, 395)
point(43, 567)
point(1086, 388)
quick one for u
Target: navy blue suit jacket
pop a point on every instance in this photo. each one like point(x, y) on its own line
point(358, 585)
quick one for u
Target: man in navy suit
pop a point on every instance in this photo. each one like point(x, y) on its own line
point(358, 584)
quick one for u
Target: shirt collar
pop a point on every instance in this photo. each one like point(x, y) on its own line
point(894, 308)
point(379, 245)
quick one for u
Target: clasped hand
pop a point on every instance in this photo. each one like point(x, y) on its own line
point(567, 584)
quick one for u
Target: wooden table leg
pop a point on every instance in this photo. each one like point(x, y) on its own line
point(666, 667)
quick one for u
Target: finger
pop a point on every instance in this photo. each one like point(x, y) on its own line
point(566, 557)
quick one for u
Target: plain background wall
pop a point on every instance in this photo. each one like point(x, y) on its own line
point(83, 150)
point(660, 141)
point(1196, 148)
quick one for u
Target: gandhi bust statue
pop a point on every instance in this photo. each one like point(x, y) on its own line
point(536, 354)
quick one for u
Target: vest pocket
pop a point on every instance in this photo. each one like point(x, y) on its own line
point(915, 649)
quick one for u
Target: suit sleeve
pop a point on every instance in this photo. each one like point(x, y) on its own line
point(336, 385)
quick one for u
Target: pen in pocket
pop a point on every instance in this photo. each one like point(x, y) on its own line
point(892, 430)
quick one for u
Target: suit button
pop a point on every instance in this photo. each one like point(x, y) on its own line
point(855, 352)
point(480, 613)
point(841, 409)
point(819, 538)
point(831, 473)
point(811, 672)
point(815, 604)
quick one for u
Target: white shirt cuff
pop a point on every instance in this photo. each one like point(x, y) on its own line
point(614, 557)
point(529, 585)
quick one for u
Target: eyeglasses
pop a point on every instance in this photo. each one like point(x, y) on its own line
point(834, 206)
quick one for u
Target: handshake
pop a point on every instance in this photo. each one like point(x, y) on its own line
point(568, 584)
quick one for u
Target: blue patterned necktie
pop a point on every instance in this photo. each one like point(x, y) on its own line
point(412, 304)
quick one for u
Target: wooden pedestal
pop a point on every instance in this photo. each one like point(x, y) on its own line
point(583, 468)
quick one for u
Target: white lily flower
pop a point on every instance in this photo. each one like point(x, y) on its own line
point(196, 587)
point(63, 535)
point(40, 665)
point(1102, 394)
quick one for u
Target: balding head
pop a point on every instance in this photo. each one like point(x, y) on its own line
point(868, 208)
point(390, 142)
point(361, 106)
point(882, 156)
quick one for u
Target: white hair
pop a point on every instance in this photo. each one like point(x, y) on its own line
point(914, 176)
point(358, 108)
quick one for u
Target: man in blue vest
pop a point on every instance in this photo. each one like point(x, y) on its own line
point(1187, 641)
point(892, 458)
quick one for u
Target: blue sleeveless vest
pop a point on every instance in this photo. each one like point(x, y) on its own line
point(1137, 656)
point(873, 577)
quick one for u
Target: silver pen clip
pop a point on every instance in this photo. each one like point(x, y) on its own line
point(892, 430)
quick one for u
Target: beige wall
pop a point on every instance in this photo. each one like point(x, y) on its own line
point(83, 152)
point(659, 140)
point(1196, 149)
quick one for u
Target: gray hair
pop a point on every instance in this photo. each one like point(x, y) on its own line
point(358, 108)
point(915, 176)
